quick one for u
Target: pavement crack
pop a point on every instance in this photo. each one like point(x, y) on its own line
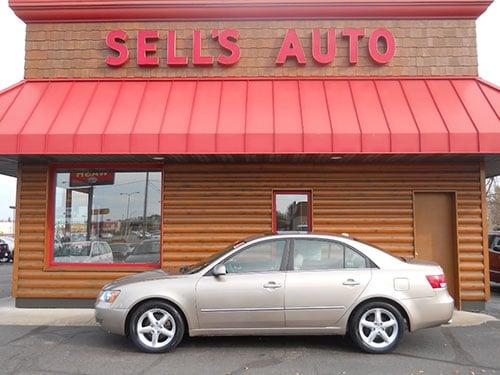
point(155, 363)
point(465, 364)
point(461, 355)
point(27, 334)
point(259, 363)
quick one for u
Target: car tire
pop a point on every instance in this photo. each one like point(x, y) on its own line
point(377, 327)
point(156, 327)
point(5, 259)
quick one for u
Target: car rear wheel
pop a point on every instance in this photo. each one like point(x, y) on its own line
point(377, 327)
point(156, 327)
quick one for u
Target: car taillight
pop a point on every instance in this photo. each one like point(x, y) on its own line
point(436, 281)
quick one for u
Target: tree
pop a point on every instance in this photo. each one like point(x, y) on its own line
point(493, 202)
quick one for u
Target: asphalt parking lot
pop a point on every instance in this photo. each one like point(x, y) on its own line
point(88, 350)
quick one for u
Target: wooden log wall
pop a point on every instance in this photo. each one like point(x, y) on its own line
point(208, 206)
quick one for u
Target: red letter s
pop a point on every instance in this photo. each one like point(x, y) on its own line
point(116, 41)
point(227, 40)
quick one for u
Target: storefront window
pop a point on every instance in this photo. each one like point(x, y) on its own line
point(292, 211)
point(104, 216)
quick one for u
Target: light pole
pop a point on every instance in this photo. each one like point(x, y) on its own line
point(128, 208)
point(144, 216)
point(13, 208)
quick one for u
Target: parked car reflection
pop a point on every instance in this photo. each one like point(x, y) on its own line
point(84, 252)
point(147, 251)
point(120, 251)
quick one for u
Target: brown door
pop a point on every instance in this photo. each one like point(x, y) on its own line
point(435, 234)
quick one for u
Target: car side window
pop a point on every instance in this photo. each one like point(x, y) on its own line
point(317, 255)
point(261, 257)
point(105, 249)
point(325, 255)
point(494, 243)
point(95, 250)
point(353, 259)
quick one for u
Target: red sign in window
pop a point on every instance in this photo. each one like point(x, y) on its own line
point(79, 179)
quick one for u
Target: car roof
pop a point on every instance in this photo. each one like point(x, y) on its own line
point(298, 234)
point(78, 243)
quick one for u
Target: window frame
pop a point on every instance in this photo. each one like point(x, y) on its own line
point(291, 254)
point(54, 168)
point(309, 194)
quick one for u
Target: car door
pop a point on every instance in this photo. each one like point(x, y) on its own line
point(251, 293)
point(494, 256)
point(107, 254)
point(94, 253)
point(324, 279)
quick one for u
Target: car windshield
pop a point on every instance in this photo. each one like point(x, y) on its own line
point(193, 268)
point(150, 247)
point(119, 247)
point(73, 250)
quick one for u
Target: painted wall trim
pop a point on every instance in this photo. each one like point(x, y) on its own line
point(106, 10)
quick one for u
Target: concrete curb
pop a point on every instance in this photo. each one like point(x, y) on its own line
point(10, 315)
point(466, 319)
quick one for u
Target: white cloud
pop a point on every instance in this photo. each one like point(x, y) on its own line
point(488, 43)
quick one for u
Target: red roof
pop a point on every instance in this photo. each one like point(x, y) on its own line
point(250, 116)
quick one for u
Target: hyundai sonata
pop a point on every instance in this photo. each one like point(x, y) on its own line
point(284, 284)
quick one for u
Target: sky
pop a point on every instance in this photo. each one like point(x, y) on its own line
point(12, 35)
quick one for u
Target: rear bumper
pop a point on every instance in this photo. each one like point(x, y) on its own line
point(109, 319)
point(430, 311)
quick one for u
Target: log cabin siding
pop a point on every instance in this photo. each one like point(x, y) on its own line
point(208, 206)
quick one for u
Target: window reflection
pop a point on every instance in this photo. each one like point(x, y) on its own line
point(107, 216)
point(292, 212)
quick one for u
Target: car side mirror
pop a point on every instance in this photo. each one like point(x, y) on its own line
point(219, 270)
point(496, 248)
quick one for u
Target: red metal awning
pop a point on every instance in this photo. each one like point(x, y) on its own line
point(250, 116)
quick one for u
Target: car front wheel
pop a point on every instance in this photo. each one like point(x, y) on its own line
point(377, 327)
point(156, 327)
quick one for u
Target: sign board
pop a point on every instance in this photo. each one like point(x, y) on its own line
point(80, 179)
point(381, 47)
point(100, 211)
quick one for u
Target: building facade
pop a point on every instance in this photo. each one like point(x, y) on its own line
point(153, 134)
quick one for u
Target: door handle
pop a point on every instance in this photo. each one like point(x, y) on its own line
point(272, 285)
point(350, 282)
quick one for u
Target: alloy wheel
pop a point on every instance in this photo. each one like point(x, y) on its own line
point(156, 328)
point(378, 328)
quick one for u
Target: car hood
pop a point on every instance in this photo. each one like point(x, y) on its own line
point(143, 258)
point(73, 259)
point(143, 276)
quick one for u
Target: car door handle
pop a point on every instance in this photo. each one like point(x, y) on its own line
point(272, 285)
point(351, 282)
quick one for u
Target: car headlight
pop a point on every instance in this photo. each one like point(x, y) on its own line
point(109, 296)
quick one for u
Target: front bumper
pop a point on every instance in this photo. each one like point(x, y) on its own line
point(430, 311)
point(5, 254)
point(110, 319)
